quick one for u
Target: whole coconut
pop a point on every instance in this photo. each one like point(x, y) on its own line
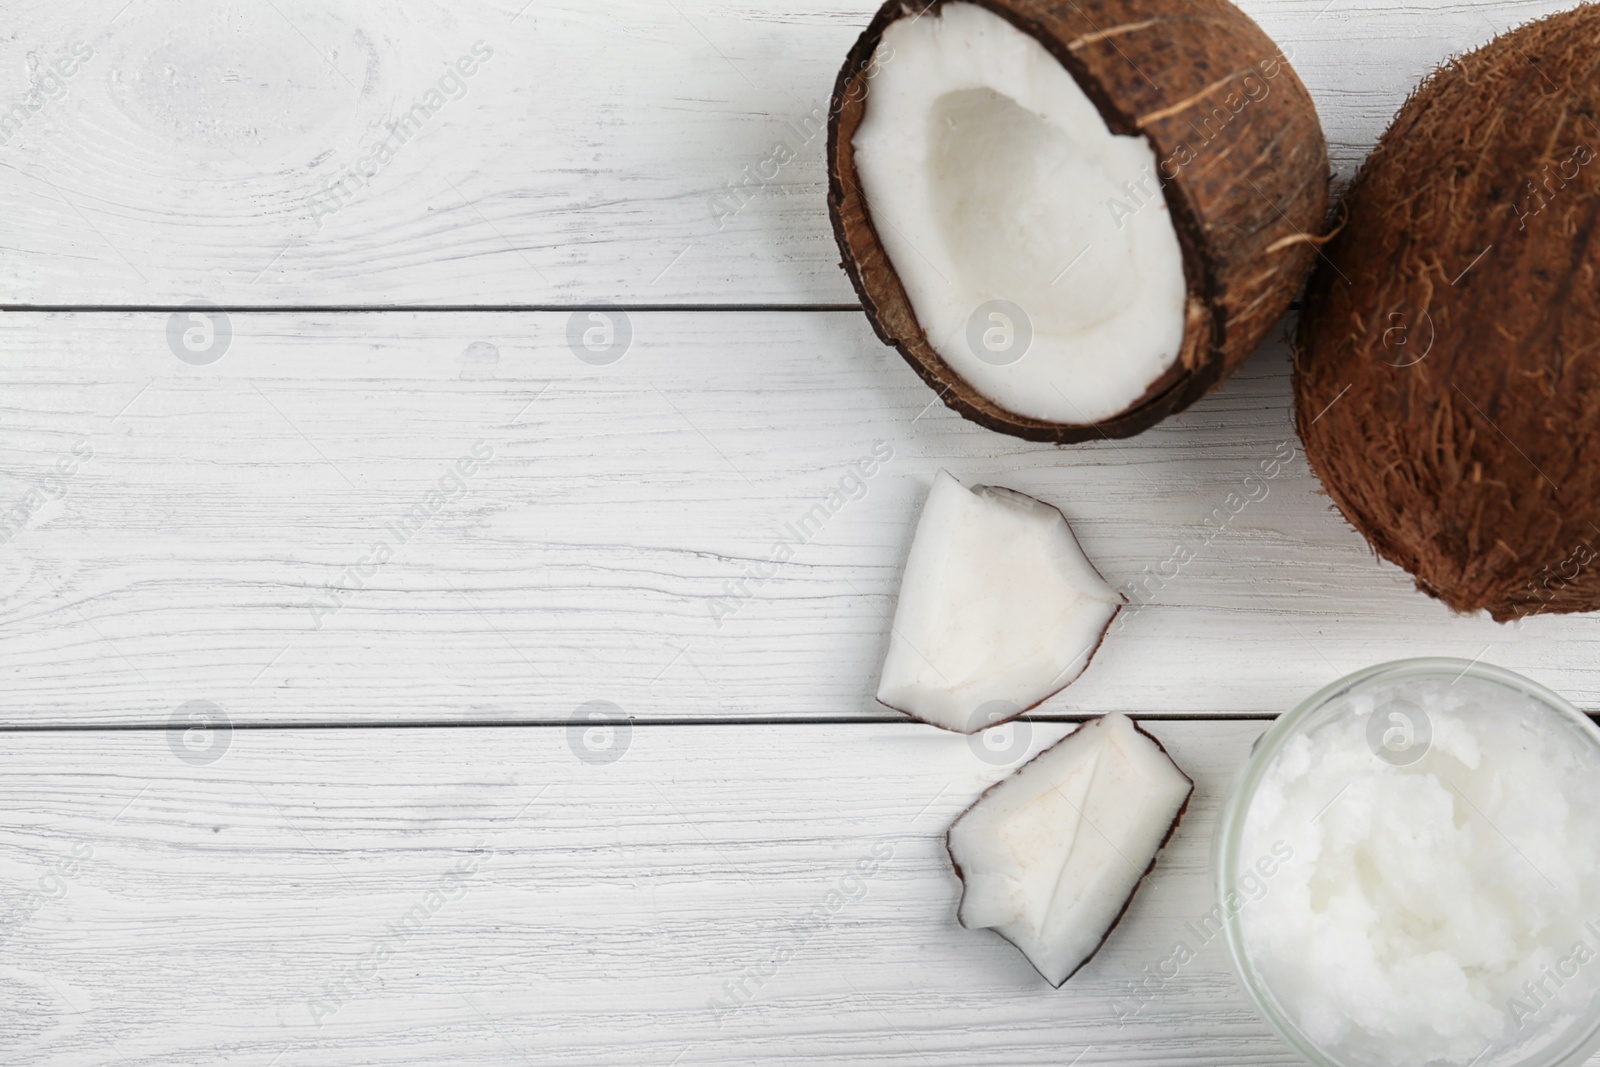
point(1447, 383)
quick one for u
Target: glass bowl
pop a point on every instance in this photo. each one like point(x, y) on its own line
point(1399, 738)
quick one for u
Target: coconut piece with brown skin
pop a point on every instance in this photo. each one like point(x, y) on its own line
point(999, 609)
point(1050, 857)
point(1447, 383)
point(1073, 219)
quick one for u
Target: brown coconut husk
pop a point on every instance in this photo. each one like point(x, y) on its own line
point(1447, 382)
point(1243, 168)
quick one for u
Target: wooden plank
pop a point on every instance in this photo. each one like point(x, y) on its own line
point(224, 539)
point(254, 907)
point(245, 155)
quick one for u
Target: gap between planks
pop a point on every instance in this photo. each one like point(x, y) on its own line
point(364, 309)
point(561, 724)
point(368, 309)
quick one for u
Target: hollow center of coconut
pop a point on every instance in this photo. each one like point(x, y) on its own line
point(1034, 244)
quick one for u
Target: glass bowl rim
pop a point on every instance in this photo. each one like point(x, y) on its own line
point(1571, 1047)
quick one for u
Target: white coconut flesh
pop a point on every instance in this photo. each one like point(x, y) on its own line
point(1034, 244)
point(998, 609)
point(1050, 856)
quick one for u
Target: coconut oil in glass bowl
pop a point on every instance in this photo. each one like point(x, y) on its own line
point(1409, 872)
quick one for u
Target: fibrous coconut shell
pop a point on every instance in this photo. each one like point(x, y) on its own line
point(1447, 381)
point(1241, 158)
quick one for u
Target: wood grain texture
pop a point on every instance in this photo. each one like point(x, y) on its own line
point(221, 542)
point(244, 153)
point(170, 529)
point(590, 914)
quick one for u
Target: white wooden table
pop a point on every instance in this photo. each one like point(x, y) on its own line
point(392, 846)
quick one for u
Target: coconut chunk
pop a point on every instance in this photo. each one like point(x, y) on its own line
point(1000, 193)
point(1050, 857)
point(998, 609)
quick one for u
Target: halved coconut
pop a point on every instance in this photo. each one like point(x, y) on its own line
point(998, 609)
point(1050, 857)
point(1073, 220)
point(1448, 378)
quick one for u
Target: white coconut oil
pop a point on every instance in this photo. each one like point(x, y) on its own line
point(1442, 902)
